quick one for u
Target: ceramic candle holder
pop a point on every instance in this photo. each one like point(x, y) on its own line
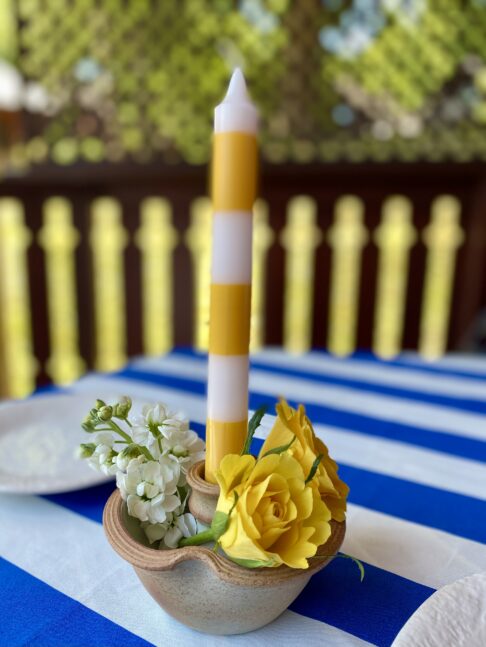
point(203, 589)
point(204, 495)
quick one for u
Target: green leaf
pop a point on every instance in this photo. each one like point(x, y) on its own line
point(281, 449)
point(203, 537)
point(253, 563)
point(253, 425)
point(357, 562)
point(219, 524)
point(313, 469)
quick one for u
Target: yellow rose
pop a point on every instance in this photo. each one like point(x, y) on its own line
point(305, 449)
point(274, 516)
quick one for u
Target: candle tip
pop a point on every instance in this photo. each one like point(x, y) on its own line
point(237, 86)
point(236, 112)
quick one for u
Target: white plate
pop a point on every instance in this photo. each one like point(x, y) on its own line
point(454, 616)
point(38, 441)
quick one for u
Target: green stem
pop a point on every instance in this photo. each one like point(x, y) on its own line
point(119, 431)
point(196, 540)
point(146, 453)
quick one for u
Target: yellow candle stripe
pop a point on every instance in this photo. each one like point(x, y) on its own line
point(222, 438)
point(234, 172)
point(229, 333)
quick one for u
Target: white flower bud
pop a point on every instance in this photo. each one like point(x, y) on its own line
point(122, 408)
point(105, 413)
point(85, 450)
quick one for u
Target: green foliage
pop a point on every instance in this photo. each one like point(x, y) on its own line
point(314, 467)
point(280, 449)
point(357, 562)
point(138, 80)
point(253, 425)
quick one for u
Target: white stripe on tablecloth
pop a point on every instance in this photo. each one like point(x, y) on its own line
point(425, 555)
point(379, 455)
point(378, 373)
point(71, 554)
point(382, 407)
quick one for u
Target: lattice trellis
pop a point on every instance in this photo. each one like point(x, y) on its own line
point(334, 80)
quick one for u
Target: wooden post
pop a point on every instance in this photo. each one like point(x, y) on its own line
point(469, 298)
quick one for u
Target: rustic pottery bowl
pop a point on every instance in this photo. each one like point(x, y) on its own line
point(203, 589)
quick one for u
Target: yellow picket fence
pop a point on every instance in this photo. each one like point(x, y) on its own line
point(157, 239)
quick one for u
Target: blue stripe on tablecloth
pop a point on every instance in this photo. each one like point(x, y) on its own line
point(393, 496)
point(374, 610)
point(33, 613)
point(88, 502)
point(442, 442)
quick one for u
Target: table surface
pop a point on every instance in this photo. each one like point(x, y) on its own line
point(409, 438)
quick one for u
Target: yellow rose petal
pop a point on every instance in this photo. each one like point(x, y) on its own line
point(243, 547)
point(256, 493)
point(270, 537)
point(289, 468)
point(304, 502)
point(250, 521)
point(296, 555)
point(232, 470)
point(263, 468)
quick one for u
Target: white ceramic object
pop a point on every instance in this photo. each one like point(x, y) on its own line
point(38, 442)
point(454, 616)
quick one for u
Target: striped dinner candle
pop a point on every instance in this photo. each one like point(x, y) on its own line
point(234, 180)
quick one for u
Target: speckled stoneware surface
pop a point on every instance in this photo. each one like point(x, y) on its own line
point(203, 589)
point(204, 495)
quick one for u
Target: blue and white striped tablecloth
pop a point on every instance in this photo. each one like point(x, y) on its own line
point(409, 438)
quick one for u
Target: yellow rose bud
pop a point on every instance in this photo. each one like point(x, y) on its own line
point(305, 449)
point(274, 516)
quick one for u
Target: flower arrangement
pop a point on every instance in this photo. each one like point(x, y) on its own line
point(272, 510)
point(150, 455)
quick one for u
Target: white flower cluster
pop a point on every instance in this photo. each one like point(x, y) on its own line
point(150, 457)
